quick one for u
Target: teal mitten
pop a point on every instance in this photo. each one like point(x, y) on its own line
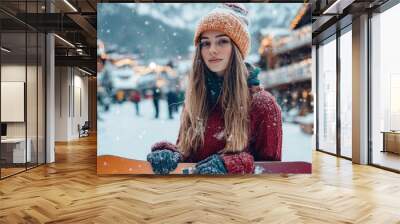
point(164, 161)
point(211, 165)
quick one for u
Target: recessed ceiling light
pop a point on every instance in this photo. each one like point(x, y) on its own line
point(86, 72)
point(64, 40)
point(337, 7)
point(5, 49)
point(70, 5)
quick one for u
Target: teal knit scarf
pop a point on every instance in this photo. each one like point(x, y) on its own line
point(214, 82)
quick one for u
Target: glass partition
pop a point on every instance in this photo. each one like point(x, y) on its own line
point(32, 95)
point(327, 96)
point(346, 93)
point(22, 77)
point(13, 108)
point(385, 89)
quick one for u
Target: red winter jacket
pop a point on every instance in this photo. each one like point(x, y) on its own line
point(265, 138)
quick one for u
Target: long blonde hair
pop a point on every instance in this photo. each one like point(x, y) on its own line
point(234, 101)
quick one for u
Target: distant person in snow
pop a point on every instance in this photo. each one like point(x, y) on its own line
point(156, 100)
point(135, 98)
point(228, 120)
point(172, 101)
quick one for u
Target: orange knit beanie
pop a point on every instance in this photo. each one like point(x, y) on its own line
point(229, 18)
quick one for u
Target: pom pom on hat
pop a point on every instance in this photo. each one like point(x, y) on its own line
point(238, 9)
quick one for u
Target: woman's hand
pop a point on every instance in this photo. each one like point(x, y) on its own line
point(237, 163)
point(164, 161)
point(211, 165)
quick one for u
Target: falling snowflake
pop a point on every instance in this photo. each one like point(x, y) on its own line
point(258, 170)
point(220, 135)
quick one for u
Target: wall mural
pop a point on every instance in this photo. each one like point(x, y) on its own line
point(206, 89)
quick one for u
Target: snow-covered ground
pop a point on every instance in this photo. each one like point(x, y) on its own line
point(122, 133)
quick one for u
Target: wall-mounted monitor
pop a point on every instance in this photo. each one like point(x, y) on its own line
point(3, 129)
point(12, 101)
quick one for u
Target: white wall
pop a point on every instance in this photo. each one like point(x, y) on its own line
point(33, 126)
point(12, 73)
point(61, 103)
point(81, 83)
point(71, 94)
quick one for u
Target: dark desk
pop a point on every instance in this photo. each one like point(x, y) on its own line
point(391, 141)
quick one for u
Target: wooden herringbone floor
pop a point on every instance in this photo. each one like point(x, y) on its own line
point(69, 191)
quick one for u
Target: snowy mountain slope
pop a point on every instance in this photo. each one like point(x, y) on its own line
point(166, 29)
point(185, 15)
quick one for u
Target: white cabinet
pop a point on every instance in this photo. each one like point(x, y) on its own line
point(18, 149)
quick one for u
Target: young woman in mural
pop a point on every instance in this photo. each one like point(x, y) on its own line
point(228, 120)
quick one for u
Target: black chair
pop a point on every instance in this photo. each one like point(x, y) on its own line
point(84, 130)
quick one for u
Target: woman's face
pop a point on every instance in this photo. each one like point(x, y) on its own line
point(216, 50)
